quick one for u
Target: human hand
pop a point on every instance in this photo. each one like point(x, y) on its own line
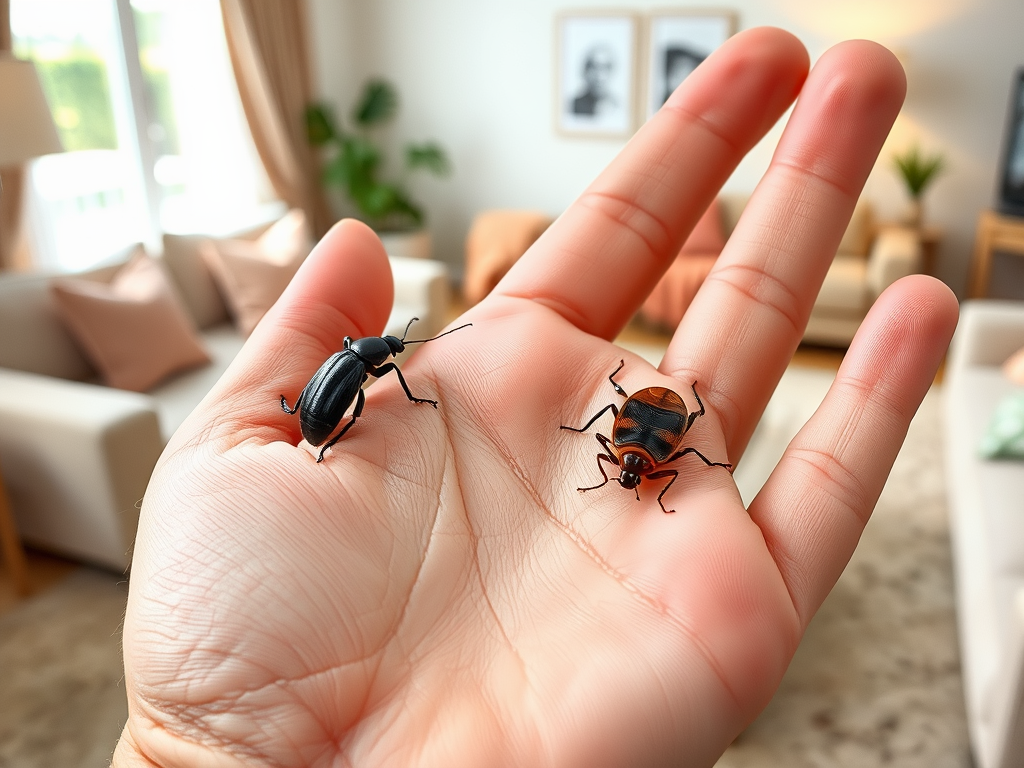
point(437, 592)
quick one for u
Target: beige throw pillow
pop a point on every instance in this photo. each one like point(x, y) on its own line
point(252, 275)
point(134, 330)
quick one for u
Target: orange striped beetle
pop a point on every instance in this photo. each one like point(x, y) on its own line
point(646, 435)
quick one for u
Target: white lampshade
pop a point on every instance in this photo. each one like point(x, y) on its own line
point(26, 125)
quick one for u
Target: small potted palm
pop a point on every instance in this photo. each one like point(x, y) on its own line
point(355, 165)
point(917, 172)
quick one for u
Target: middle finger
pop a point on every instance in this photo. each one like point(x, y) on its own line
point(738, 335)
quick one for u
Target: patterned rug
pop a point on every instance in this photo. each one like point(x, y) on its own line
point(876, 681)
point(62, 700)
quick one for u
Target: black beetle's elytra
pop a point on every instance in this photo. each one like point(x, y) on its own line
point(325, 399)
point(648, 433)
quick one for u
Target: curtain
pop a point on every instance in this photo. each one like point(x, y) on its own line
point(269, 55)
point(13, 248)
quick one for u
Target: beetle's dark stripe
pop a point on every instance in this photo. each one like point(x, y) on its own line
point(655, 429)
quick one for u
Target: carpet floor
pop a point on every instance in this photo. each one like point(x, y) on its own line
point(875, 682)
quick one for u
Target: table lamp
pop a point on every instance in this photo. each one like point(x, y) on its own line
point(26, 124)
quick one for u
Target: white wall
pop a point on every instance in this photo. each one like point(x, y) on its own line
point(477, 75)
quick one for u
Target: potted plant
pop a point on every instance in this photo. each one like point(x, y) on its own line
point(917, 172)
point(355, 166)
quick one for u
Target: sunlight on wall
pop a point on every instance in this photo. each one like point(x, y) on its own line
point(881, 20)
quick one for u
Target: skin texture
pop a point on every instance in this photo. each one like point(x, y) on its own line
point(437, 593)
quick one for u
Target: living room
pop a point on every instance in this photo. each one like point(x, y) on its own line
point(223, 144)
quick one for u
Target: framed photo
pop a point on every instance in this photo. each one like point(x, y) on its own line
point(1011, 186)
point(677, 41)
point(596, 58)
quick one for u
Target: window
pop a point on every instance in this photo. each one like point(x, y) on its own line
point(143, 96)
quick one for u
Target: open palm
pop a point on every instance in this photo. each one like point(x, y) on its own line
point(437, 592)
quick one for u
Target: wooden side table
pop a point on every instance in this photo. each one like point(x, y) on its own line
point(995, 233)
point(10, 542)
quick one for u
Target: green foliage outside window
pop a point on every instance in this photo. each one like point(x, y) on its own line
point(157, 81)
point(78, 90)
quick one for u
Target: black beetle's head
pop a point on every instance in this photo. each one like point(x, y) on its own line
point(634, 467)
point(629, 480)
point(396, 345)
point(374, 350)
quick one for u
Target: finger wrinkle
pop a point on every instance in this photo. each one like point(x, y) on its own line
point(756, 284)
point(836, 479)
point(565, 309)
point(652, 230)
point(702, 122)
point(817, 172)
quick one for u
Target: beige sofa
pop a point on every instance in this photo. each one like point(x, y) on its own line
point(987, 529)
point(76, 456)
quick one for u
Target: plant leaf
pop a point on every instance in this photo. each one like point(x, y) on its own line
point(379, 104)
point(320, 124)
point(429, 156)
point(918, 171)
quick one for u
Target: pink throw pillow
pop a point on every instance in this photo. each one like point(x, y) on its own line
point(252, 274)
point(134, 329)
point(707, 236)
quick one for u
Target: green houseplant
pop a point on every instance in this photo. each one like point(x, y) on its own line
point(917, 172)
point(355, 162)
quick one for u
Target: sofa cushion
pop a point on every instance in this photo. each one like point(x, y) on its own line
point(179, 395)
point(252, 275)
point(845, 288)
point(33, 337)
point(195, 283)
point(134, 330)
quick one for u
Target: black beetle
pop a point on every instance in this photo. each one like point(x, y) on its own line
point(646, 435)
point(324, 400)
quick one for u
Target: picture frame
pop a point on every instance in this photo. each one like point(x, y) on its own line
point(1011, 179)
point(677, 40)
point(597, 57)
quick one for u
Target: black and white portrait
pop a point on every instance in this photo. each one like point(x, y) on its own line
point(596, 74)
point(1012, 186)
point(678, 43)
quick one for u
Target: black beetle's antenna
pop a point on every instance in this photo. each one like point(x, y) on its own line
point(421, 341)
point(407, 329)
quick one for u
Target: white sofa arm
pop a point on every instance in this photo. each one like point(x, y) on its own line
point(895, 253)
point(421, 290)
point(988, 333)
point(76, 460)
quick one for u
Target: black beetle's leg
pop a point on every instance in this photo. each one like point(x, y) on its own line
point(611, 407)
point(392, 367)
point(657, 476)
point(356, 413)
point(610, 458)
point(615, 384)
point(693, 416)
point(606, 444)
point(703, 458)
point(298, 402)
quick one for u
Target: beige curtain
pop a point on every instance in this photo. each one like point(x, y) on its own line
point(269, 54)
point(13, 248)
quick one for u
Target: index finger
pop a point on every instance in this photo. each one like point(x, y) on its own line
point(599, 260)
